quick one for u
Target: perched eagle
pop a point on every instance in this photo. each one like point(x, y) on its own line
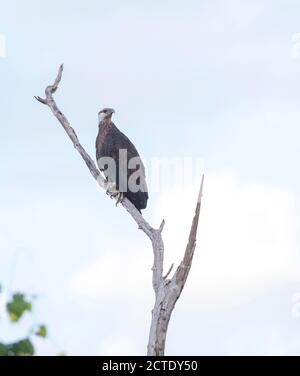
point(120, 162)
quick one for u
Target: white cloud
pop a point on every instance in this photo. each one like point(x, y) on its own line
point(246, 242)
point(114, 345)
point(247, 246)
point(116, 275)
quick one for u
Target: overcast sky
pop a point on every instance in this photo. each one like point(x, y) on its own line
point(216, 80)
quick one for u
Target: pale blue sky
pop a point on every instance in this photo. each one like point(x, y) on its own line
point(211, 79)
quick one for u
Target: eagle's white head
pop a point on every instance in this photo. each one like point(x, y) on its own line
point(105, 114)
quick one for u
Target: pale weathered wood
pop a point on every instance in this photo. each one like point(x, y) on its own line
point(167, 291)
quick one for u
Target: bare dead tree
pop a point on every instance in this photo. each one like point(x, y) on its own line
point(167, 290)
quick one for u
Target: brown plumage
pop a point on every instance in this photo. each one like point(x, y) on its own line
point(109, 142)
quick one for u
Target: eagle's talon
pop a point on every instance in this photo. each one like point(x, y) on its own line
point(119, 198)
point(112, 191)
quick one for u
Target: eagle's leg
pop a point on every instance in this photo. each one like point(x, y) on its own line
point(109, 186)
point(111, 190)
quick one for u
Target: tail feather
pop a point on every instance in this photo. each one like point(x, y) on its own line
point(138, 199)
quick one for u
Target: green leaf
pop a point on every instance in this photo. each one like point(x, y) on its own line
point(42, 331)
point(23, 347)
point(3, 349)
point(17, 306)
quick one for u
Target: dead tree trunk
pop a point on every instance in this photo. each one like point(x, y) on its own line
point(167, 290)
